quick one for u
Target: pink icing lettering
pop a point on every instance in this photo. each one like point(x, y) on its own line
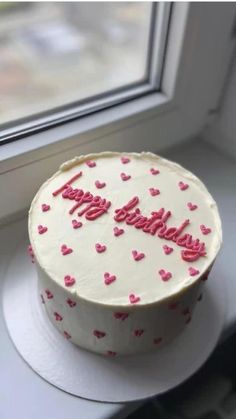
point(69, 182)
point(96, 212)
point(162, 231)
point(180, 230)
point(133, 217)
point(141, 222)
point(122, 213)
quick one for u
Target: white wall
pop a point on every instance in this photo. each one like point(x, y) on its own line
point(222, 132)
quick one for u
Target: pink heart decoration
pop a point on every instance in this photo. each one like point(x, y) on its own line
point(90, 163)
point(157, 341)
point(121, 316)
point(167, 249)
point(193, 271)
point(76, 224)
point(99, 334)
point(125, 177)
point(31, 252)
point(69, 281)
point(48, 294)
point(42, 229)
point(138, 332)
point(111, 353)
point(165, 275)
point(154, 171)
point(205, 230)
point(154, 191)
point(71, 303)
point(99, 184)
point(58, 317)
point(125, 159)
point(108, 279)
point(67, 335)
point(191, 206)
point(183, 186)
point(45, 207)
point(134, 299)
point(66, 250)
point(100, 248)
point(137, 256)
point(118, 231)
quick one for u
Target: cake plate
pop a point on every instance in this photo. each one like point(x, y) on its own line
point(96, 377)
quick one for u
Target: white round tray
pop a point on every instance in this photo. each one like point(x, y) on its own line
point(95, 377)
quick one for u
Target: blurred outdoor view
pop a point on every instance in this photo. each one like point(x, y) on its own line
point(52, 54)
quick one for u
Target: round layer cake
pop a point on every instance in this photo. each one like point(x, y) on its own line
point(123, 244)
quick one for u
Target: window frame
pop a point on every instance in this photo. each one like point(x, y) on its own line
point(195, 67)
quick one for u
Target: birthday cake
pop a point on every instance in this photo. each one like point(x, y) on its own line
point(122, 244)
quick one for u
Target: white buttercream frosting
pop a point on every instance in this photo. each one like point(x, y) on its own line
point(86, 265)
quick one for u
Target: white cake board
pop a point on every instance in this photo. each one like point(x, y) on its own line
point(95, 377)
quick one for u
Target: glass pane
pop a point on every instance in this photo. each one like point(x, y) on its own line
point(52, 54)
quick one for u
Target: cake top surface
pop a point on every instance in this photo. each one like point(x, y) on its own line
point(123, 229)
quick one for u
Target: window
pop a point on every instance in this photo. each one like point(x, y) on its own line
point(65, 59)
